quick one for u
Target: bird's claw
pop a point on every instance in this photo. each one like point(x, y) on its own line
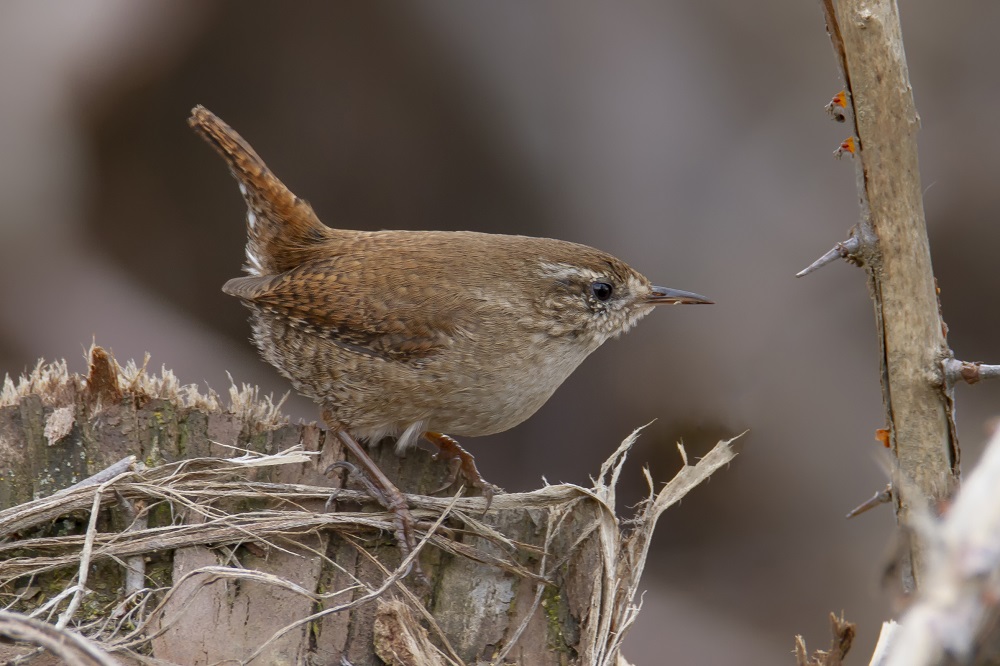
point(460, 462)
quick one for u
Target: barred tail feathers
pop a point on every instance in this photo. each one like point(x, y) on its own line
point(279, 224)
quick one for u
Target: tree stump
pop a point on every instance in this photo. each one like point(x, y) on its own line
point(216, 543)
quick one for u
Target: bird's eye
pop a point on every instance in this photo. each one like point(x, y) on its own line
point(601, 290)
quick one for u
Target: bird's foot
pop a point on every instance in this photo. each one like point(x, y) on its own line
point(461, 462)
point(385, 493)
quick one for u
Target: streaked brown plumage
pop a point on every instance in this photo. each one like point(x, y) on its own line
point(406, 332)
point(461, 332)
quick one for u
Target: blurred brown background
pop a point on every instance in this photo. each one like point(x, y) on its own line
point(688, 138)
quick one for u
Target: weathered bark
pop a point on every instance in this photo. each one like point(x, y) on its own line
point(243, 563)
point(894, 249)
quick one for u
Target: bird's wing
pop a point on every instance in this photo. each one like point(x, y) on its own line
point(346, 302)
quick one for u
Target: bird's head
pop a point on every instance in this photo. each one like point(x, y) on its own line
point(594, 297)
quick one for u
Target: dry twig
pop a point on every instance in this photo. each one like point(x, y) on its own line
point(843, 636)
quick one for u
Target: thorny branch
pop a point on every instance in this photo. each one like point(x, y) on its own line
point(894, 250)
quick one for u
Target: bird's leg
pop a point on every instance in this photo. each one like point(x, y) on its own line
point(385, 492)
point(461, 462)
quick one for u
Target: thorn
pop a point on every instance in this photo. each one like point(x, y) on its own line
point(847, 146)
point(970, 373)
point(838, 106)
point(883, 497)
point(842, 250)
point(827, 258)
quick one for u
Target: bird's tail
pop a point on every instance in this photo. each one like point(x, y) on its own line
point(280, 226)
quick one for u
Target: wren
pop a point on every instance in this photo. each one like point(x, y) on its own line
point(418, 333)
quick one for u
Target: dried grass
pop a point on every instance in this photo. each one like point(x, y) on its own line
point(220, 503)
point(198, 487)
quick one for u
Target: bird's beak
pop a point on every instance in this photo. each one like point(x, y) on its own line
point(664, 295)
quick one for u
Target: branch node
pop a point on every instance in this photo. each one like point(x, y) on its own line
point(848, 146)
point(837, 107)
